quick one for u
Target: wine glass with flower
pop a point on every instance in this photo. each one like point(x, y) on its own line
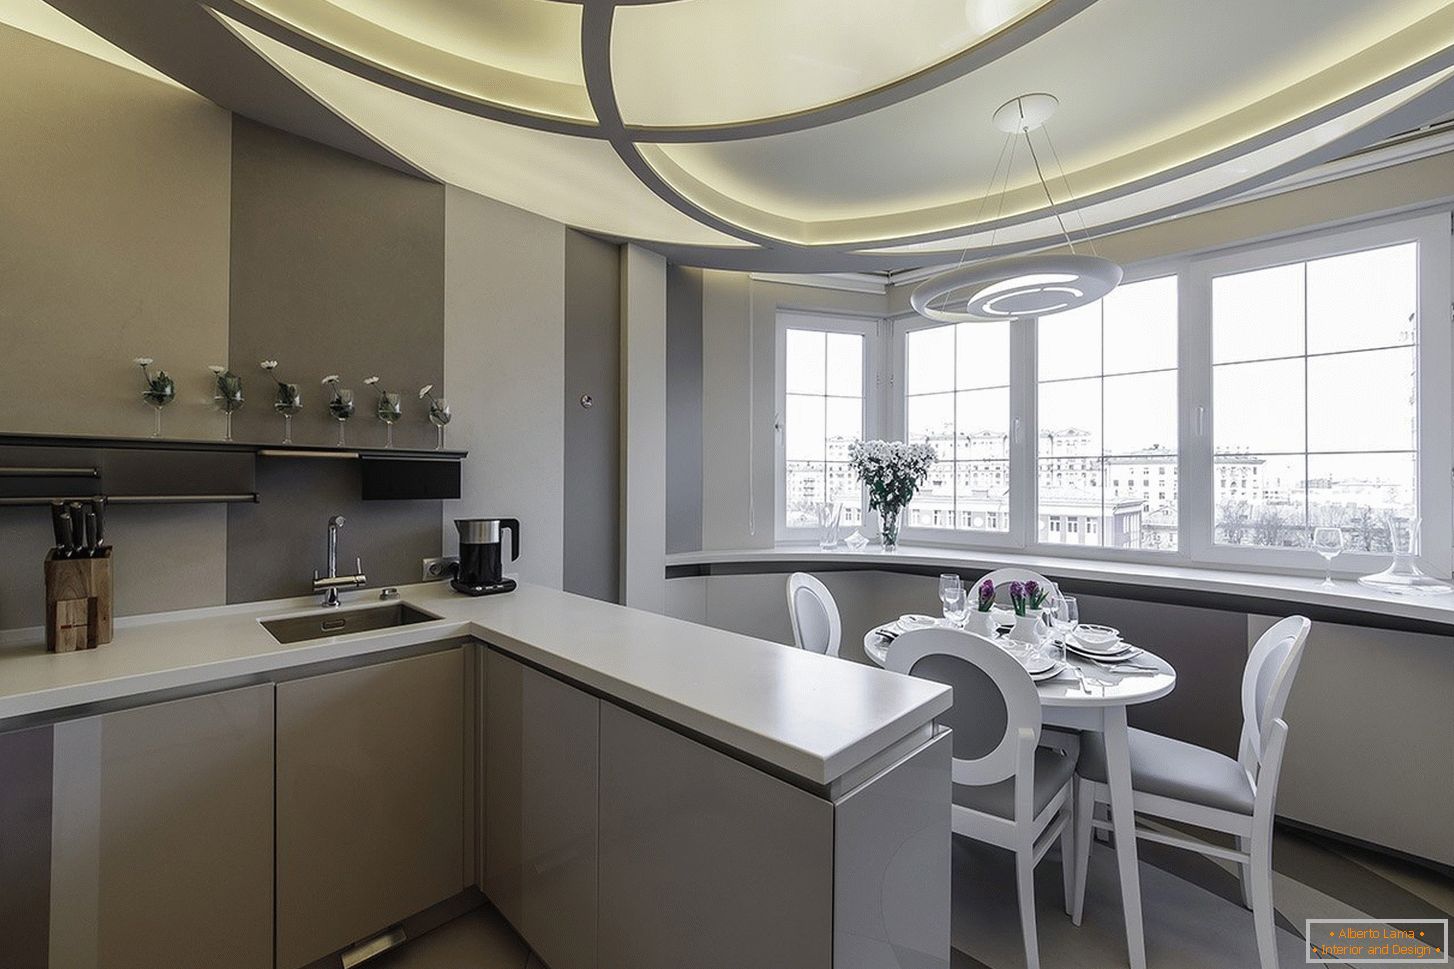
point(340, 403)
point(160, 390)
point(288, 400)
point(228, 395)
point(439, 414)
point(389, 408)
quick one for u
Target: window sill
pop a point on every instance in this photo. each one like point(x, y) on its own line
point(1242, 591)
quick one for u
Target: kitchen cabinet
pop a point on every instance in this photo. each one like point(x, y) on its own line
point(540, 836)
point(141, 837)
point(372, 800)
point(705, 861)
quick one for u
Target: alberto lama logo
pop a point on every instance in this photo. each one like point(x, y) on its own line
point(1378, 941)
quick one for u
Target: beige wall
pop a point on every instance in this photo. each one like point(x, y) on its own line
point(504, 364)
point(115, 208)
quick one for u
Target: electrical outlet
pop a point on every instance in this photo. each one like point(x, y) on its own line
point(440, 568)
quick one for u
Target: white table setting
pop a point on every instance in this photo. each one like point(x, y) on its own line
point(1086, 674)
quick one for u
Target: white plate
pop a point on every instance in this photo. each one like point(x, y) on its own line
point(1110, 649)
point(1123, 651)
point(1053, 671)
point(916, 620)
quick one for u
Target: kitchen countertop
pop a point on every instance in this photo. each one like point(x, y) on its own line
point(813, 716)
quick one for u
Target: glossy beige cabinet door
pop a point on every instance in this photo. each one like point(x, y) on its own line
point(372, 776)
point(706, 862)
point(161, 835)
point(541, 740)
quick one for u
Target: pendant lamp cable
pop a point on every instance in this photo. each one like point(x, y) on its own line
point(1048, 199)
point(1070, 194)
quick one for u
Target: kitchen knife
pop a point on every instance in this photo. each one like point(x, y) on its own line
point(64, 550)
point(90, 533)
point(78, 528)
point(98, 505)
point(58, 515)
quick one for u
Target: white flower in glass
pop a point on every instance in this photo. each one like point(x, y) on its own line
point(892, 471)
point(388, 408)
point(160, 390)
point(439, 414)
point(288, 400)
point(228, 396)
point(340, 403)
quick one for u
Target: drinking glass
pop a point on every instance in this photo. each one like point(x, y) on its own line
point(1064, 619)
point(1328, 540)
point(341, 406)
point(439, 415)
point(956, 606)
point(829, 513)
point(389, 410)
point(288, 402)
point(951, 594)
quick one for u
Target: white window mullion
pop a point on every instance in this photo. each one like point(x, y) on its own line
point(1196, 465)
point(1024, 476)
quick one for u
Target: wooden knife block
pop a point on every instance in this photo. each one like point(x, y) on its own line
point(77, 602)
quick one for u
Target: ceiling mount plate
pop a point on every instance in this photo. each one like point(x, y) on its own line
point(1025, 113)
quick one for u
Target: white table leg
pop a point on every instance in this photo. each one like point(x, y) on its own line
point(1123, 823)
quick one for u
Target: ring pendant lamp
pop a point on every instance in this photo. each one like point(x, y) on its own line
point(1014, 287)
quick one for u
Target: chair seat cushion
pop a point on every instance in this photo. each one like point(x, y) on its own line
point(1174, 769)
point(1052, 769)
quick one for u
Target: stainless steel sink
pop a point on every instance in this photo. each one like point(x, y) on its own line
point(341, 622)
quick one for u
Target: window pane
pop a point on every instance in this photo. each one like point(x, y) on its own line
point(845, 364)
point(982, 495)
point(843, 424)
point(843, 486)
point(805, 361)
point(1140, 326)
point(929, 367)
point(930, 420)
point(1070, 343)
point(805, 487)
point(1147, 480)
point(1070, 418)
point(1362, 401)
point(1258, 407)
point(1261, 500)
point(983, 422)
point(1070, 495)
point(1141, 413)
point(933, 504)
point(804, 430)
point(982, 355)
point(1363, 299)
point(1257, 315)
point(1358, 492)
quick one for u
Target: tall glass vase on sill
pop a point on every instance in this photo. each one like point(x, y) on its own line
point(889, 527)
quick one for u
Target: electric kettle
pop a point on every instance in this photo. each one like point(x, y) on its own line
point(481, 564)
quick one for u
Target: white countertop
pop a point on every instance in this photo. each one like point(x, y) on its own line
point(813, 716)
point(1283, 588)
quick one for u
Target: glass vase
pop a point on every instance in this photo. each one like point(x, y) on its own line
point(889, 527)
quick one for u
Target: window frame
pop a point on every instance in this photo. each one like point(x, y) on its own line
point(827, 322)
point(1433, 415)
point(1196, 468)
point(1021, 345)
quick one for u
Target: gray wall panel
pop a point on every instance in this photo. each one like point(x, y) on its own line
point(337, 267)
point(683, 409)
point(274, 546)
point(592, 506)
point(25, 847)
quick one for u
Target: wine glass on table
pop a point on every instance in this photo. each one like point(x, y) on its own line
point(951, 594)
point(1063, 619)
point(1328, 540)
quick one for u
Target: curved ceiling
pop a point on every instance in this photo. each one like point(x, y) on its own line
point(856, 133)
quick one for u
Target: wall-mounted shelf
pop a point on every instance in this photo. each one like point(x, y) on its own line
point(37, 469)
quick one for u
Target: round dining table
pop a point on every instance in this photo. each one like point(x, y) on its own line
point(1097, 700)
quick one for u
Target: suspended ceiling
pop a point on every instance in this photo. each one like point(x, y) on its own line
point(818, 134)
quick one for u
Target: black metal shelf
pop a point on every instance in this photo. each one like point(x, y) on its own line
point(256, 447)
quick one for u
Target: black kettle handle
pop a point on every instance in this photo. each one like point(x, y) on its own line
point(512, 525)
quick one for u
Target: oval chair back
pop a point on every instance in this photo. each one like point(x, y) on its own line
point(1266, 683)
point(1002, 579)
point(817, 626)
point(996, 711)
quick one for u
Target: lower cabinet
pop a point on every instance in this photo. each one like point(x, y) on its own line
point(540, 836)
point(140, 838)
point(705, 861)
point(372, 782)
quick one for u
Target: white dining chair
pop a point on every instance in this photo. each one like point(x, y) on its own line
point(1002, 579)
point(817, 626)
point(1008, 790)
point(1185, 783)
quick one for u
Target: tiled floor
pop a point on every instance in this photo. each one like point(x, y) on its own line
point(1194, 919)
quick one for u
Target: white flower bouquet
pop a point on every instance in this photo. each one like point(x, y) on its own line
point(892, 471)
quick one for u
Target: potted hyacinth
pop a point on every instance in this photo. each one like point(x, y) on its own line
point(1028, 599)
point(892, 471)
point(980, 620)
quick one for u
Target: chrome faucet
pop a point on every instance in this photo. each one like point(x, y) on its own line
point(331, 583)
